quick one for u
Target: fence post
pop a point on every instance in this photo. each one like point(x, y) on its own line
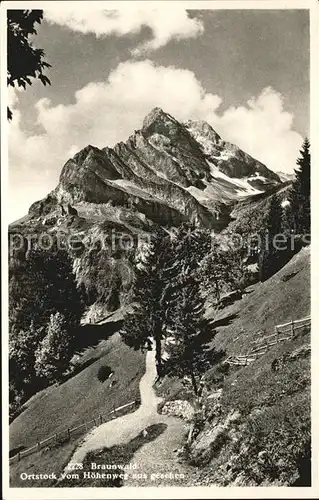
point(19, 457)
point(38, 443)
point(101, 419)
point(292, 329)
point(69, 434)
point(56, 439)
point(276, 332)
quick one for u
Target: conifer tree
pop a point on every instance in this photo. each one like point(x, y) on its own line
point(146, 322)
point(268, 256)
point(300, 193)
point(274, 217)
point(188, 355)
point(161, 281)
point(189, 246)
point(223, 270)
point(287, 220)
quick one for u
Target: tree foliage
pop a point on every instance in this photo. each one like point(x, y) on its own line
point(146, 322)
point(22, 376)
point(168, 302)
point(24, 60)
point(189, 246)
point(188, 354)
point(157, 287)
point(269, 256)
point(54, 352)
point(300, 192)
point(273, 220)
point(41, 285)
point(223, 270)
point(22, 347)
point(189, 330)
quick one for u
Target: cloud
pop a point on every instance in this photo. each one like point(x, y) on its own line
point(105, 113)
point(33, 166)
point(263, 129)
point(165, 24)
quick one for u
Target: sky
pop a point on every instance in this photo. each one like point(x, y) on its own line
point(246, 72)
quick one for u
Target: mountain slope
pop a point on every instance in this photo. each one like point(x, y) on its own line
point(229, 158)
point(253, 427)
point(166, 173)
point(187, 167)
point(282, 298)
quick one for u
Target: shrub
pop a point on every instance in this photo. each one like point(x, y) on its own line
point(104, 373)
point(277, 440)
point(22, 347)
point(15, 402)
point(54, 352)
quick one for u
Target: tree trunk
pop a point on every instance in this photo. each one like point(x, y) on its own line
point(194, 383)
point(158, 354)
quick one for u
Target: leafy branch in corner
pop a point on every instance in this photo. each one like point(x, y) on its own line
point(24, 60)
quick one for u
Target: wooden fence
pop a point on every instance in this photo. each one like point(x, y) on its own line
point(63, 436)
point(260, 346)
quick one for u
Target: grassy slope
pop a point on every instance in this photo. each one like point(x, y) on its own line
point(77, 400)
point(116, 455)
point(44, 462)
point(273, 422)
point(282, 397)
point(283, 297)
point(275, 301)
point(48, 462)
point(82, 397)
point(274, 406)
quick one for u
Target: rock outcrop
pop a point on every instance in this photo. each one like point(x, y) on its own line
point(179, 408)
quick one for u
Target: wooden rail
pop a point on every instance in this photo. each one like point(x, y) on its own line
point(65, 435)
point(282, 333)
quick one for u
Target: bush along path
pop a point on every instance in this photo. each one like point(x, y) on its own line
point(155, 462)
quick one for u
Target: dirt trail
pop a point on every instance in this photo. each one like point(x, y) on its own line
point(157, 463)
point(155, 457)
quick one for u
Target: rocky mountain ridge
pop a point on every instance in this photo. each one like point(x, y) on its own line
point(168, 171)
point(165, 173)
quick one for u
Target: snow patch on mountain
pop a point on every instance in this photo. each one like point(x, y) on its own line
point(204, 135)
point(199, 194)
point(241, 186)
point(286, 177)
